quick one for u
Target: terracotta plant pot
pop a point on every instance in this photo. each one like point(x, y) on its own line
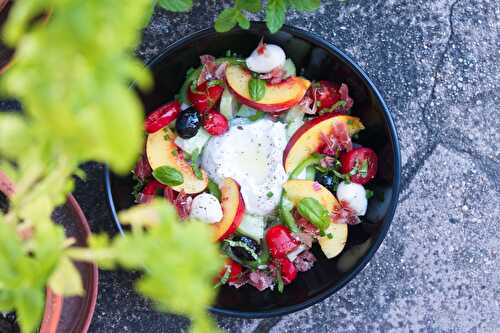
point(72, 314)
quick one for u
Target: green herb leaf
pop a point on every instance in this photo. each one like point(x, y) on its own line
point(369, 193)
point(269, 194)
point(194, 163)
point(286, 216)
point(213, 188)
point(243, 21)
point(275, 14)
point(363, 171)
point(243, 246)
point(250, 5)
point(279, 279)
point(212, 83)
point(305, 5)
point(168, 176)
point(176, 5)
point(256, 88)
point(227, 19)
point(223, 280)
point(314, 212)
point(258, 115)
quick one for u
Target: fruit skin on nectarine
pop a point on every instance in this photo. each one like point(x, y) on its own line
point(233, 208)
point(308, 139)
point(162, 150)
point(278, 97)
point(297, 190)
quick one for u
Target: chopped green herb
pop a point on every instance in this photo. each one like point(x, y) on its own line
point(194, 164)
point(138, 186)
point(258, 115)
point(214, 189)
point(243, 246)
point(363, 171)
point(175, 153)
point(223, 280)
point(350, 122)
point(353, 171)
point(270, 194)
point(329, 235)
point(215, 83)
point(168, 176)
point(279, 280)
point(369, 194)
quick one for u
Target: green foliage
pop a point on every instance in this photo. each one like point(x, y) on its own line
point(72, 75)
point(229, 17)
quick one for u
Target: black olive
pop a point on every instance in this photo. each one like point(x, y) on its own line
point(327, 180)
point(188, 123)
point(243, 253)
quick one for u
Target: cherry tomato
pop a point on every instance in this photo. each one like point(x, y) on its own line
point(327, 94)
point(205, 97)
point(236, 270)
point(288, 270)
point(363, 160)
point(280, 241)
point(162, 116)
point(215, 123)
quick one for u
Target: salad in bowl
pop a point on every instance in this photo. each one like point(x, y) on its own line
point(265, 156)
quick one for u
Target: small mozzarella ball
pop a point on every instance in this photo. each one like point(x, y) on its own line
point(355, 196)
point(272, 56)
point(206, 208)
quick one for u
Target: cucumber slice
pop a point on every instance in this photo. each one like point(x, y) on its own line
point(289, 67)
point(228, 104)
point(252, 226)
point(196, 142)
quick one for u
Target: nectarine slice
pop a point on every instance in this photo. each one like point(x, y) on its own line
point(233, 208)
point(307, 139)
point(278, 97)
point(161, 150)
point(297, 190)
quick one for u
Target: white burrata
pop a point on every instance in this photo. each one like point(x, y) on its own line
point(266, 58)
point(251, 154)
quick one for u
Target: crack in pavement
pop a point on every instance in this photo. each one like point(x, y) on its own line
point(417, 160)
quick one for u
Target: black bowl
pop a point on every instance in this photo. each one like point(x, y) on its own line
point(318, 60)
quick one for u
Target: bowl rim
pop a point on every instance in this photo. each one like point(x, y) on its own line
point(315, 40)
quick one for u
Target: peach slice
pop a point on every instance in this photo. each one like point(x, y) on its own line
point(278, 97)
point(297, 190)
point(307, 139)
point(161, 150)
point(233, 208)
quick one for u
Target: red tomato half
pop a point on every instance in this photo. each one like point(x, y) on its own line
point(162, 116)
point(280, 241)
point(327, 94)
point(205, 97)
point(215, 123)
point(288, 270)
point(363, 160)
point(236, 270)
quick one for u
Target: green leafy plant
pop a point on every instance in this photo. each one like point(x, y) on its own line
point(72, 76)
point(275, 11)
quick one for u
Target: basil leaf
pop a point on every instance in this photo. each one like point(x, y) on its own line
point(243, 21)
point(168, 176)
point(194, 164)
point(227, 19)
point(275, 14)
point(176, 5)
point(314, 212)
point(214, 189)
point(305, 5)
point(256, 88)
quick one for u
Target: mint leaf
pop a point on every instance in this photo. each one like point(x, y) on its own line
point(168, 176)
point(176, 5)
point(305, 5)
point(243, 22)
point(213, 189)
point(227, 19)
point(275, 14)
point(250, 5)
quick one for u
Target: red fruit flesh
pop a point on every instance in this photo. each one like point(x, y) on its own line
point(288, 270)
point(215, 123)
point(326, 94)
point(356, 159)
point(162, 116)
point(205, 97)
point(280, 241)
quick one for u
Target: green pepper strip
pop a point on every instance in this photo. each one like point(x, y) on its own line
point(312, 160)
point(286, 215)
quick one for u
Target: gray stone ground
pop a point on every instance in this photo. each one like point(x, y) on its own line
point(437, 63)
